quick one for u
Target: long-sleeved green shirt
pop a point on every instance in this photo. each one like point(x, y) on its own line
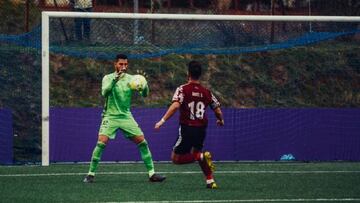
point(118, 95)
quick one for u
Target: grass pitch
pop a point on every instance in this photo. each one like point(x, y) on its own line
point(238, 182)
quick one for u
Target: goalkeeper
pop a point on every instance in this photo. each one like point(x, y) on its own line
point(192, 99)
point(116, 115)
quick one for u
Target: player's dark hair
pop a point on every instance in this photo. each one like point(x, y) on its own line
point(194, 69)
point(121, 56)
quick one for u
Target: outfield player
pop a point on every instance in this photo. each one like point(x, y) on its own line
point(192, 99)
point(117, 116)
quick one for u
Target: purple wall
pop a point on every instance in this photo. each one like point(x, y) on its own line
point(6, 137)
point(248, 134)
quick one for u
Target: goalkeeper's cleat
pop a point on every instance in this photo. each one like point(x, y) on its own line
point(211, 185)
point(89, 179)
point(157, 178)
point(209, 162)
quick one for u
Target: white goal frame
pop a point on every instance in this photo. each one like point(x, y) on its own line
point(46, 15)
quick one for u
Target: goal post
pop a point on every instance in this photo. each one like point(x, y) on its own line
point(45, 85)
point(136, 16)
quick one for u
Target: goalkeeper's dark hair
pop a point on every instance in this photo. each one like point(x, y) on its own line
point(194, 69)
point(121, 56)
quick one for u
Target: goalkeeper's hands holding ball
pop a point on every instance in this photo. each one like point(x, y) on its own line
point(139, 83)
point(143, 73)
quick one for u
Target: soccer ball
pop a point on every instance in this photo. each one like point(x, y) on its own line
point(137, 83)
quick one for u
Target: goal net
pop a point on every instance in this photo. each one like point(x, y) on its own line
point(249, 61)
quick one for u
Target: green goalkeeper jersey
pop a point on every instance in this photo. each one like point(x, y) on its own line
point(118, 95)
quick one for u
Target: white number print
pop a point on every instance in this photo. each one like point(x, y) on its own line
point(196, 111)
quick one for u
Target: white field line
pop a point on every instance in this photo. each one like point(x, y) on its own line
point(255, 200)
point(180, 172)
point(243, 163)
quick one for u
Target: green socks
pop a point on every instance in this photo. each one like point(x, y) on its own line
point(96, 156)
point(144, 152)
point(146, 157)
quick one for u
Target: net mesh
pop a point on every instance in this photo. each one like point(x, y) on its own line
point(247, 65)
point(154, 38)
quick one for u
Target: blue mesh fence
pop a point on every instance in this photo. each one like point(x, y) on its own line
point(155, 39)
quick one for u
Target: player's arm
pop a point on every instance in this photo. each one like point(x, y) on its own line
point(215, 106)
point(107, 84)
point(145, 91)
point(170, 112)
point(219, 116)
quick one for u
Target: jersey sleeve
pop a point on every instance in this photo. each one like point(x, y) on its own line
point(214, 102)
point(145, 92)
point(107, 85)
point(179, 95)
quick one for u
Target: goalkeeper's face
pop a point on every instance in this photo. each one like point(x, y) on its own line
point(121, 65)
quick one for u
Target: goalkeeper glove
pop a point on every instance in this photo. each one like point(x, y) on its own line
point(141, 72)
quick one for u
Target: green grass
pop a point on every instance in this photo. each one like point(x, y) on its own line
point(258, 181)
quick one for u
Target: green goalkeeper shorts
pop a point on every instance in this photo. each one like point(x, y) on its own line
point(128, 126)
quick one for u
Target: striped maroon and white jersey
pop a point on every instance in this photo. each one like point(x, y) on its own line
point(194, 100)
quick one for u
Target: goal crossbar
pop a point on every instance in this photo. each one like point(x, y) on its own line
point(151, 16)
